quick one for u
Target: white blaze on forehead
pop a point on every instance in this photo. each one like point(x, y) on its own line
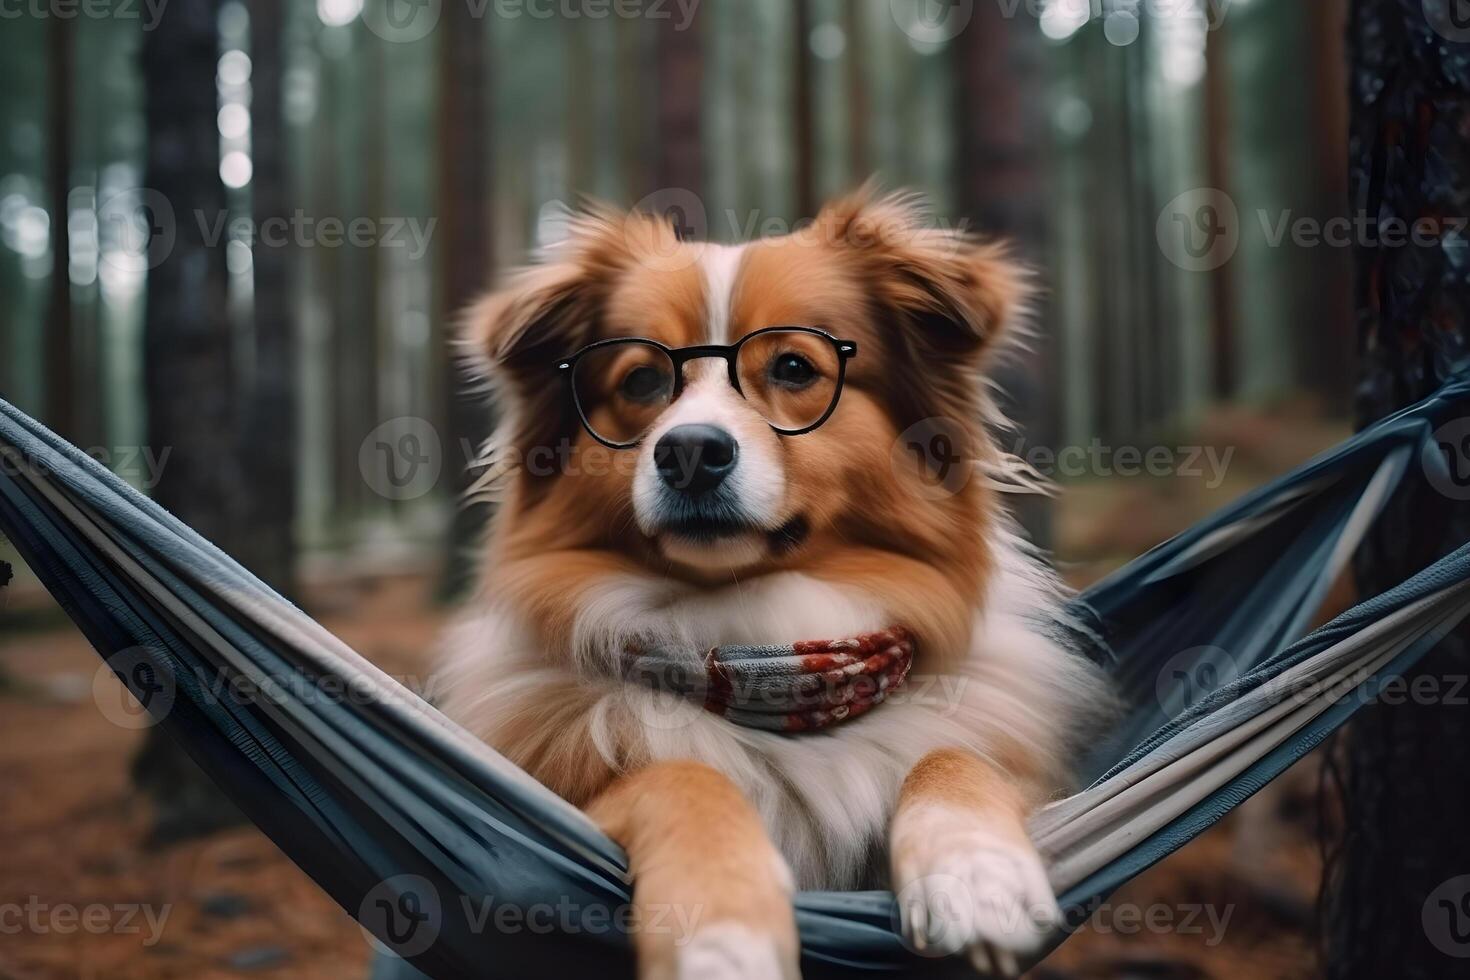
point(721, 266)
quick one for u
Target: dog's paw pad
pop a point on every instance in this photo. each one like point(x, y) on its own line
point(729, 951)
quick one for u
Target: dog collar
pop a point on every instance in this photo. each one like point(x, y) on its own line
point(798, 687)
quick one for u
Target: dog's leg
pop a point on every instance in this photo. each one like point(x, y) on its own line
point(966, 874)
point(713, 896)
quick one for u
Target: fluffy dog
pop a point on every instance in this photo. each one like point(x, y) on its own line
point(672, 501)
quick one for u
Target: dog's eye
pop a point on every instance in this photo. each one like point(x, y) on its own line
point(792, 370)
point(644, 384)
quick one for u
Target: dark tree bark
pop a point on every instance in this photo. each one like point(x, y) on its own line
point(856, 84)
point(1405, 792)
point(998, 165)
point(466, 260)
point(60, 405)
point(188, 375)
point(1217, 165)
point(680, 82)
point(999, 126)
point(803, 139)
point(268, 422)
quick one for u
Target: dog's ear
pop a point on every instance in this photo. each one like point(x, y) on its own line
point(958, 294)
point(537, 315)
point(552, 308)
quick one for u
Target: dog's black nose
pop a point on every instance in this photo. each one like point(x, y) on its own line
point(694, 459)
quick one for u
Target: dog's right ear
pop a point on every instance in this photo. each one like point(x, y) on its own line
point(541, 313)
point(551, 309)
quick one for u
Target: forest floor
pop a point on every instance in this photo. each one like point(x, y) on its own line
point(92, 899)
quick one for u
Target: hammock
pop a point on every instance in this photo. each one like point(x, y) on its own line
point(408, 821)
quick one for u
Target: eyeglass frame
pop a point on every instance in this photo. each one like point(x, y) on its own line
point(679, 356)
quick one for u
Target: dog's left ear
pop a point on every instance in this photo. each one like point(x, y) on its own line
point(960, 294)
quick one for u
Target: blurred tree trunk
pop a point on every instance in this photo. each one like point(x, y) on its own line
point(999, 159)
point(268, 436)
point(1217, 165)
point(803, 136)
point(856, 81)
point(60, 404)
point(464, 210)
point(1405, 794)
point(188, 376)
point(679, 87)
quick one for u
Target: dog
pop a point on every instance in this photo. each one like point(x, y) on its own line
point(774, 465)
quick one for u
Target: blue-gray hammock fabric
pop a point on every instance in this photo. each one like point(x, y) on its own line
point(464, 864)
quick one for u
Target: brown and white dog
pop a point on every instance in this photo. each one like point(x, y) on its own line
point(598, 553)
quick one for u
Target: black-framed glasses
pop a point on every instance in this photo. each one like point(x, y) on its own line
point(792, 376)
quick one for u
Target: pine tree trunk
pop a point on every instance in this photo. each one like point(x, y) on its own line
point(680, 82)
point(803, 136)
point(998, 162)
point(60, 405)
point(466, 261)
point(188, 375)
point(1405, 791)
point(268, 436)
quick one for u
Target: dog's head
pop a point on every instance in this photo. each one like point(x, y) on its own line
point(746, 454)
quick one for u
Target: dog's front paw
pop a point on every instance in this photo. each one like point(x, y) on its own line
point(964, 885)
point(732, 951)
